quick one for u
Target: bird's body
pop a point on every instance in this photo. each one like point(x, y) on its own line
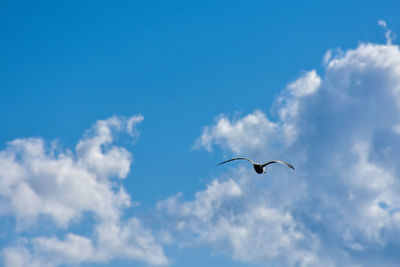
point(259, 168)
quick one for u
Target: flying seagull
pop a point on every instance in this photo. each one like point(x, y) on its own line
point(259, 168)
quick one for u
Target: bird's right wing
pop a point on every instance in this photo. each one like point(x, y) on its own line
point(235, 159)
point(278, 161)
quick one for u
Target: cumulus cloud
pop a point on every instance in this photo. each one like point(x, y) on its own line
point(342, 205)
point(256, 131)
point(129, 240)
point(44, 183)
point(235, 222)
point(238, 135)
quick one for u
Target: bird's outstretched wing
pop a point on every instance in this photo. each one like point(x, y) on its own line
point(236, 159)
point(278, 161)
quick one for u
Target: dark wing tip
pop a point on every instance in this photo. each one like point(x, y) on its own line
point(288, 164)
point(223, 162)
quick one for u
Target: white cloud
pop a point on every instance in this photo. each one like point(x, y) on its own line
point(104, 161)
point(113, 240)
point(20, 256)
point(255, 131)
point(74, 249)
point(131, 125)
point(206, 202)
point(239, 135)
point(305, 85)
point(382, 23)
point(234, 219)
point(340, 130)
point(40, 182)
point(388, 33)
point(129, 240)
point(58, 184)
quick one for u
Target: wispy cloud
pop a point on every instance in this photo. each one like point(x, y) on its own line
point(388, 32)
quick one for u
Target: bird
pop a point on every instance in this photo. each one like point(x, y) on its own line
point(258, 167)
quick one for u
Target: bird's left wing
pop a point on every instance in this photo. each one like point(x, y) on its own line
point(236, 159)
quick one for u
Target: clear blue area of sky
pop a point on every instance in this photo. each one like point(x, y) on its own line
point(66, 64)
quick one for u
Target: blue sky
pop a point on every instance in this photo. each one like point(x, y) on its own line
point(132, 103)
